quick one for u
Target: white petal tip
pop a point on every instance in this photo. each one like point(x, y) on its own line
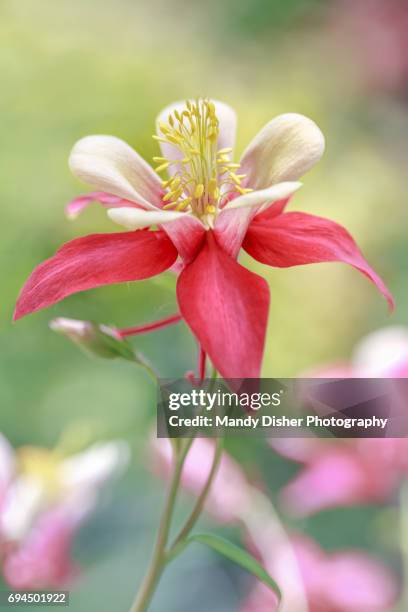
point(136, 218)
point(71, 216)
point(305, 130)
point(272, 194)
point(285, 149)
point(293, 186)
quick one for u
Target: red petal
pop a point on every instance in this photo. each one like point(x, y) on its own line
point(186, 234)
point(226, 307)
point(295, 239)
point(272, 211)
point(92, 261)
point(232, 225)
point(76, 206)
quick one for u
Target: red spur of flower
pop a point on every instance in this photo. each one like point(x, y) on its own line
point(196, 221)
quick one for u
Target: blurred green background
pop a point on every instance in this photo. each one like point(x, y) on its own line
point(82, 67)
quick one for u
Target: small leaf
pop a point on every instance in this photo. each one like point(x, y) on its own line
point(238, 556)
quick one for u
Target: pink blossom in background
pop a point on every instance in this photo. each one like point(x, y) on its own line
point(311, 580)
point(229, 493)
point(233, 499)
point(348, 581)
point(377, 33)
point(44, 499)
point(44, 559)
point(381, 354)
point(358, 471)
point(344, 473)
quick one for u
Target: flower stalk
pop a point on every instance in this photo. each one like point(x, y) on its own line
point(162, 554)
point(199, 505)
point(148, 327)
point(153, 575)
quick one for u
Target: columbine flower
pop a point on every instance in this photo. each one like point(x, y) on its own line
point(347, 581)
point(205, 210)
point(362, 470)
point(343, 473)
point(381, 354)
point(44, 498)
point(376, 33)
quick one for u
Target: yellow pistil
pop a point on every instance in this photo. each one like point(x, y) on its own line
point(204, 176)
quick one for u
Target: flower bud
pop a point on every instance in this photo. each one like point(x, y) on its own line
point(99, 340)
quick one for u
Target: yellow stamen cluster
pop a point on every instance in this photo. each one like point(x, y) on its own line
point(204, 175)
point(43, 466)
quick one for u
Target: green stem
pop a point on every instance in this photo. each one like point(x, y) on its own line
point(154, 572)
point(178, 543)
point(142, 361)
point(199, 505)
point(160, 556)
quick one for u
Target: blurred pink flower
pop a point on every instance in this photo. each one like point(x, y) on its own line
point(310, 580)
point(376, 31)
point(44, 498)
point(381, 354)
point(233, 499)
point(228, 496)
point(43, 559)
point(348, 581)
point(343, 473)
point(365, 470)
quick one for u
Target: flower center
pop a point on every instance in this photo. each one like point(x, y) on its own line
point(204, 176)
point(41, 465)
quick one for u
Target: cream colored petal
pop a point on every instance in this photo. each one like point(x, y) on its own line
point(95, 465)
point(135, 218)
point(111, 165)
point(7, 463)
point(284, 149)
point(24, 500)
point(268, 196)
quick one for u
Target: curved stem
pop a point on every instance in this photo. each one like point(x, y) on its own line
point(160, 555)
point(148, 327)
point(142, 361)
point(199, 505)
point(152, 577)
